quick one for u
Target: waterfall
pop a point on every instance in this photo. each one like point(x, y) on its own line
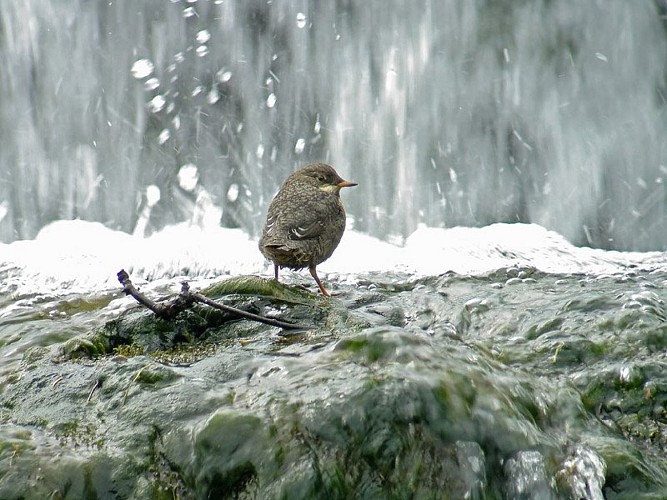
point(445, 112)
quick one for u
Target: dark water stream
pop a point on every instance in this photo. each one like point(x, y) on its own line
point(514, 384)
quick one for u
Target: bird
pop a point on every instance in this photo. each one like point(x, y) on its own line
point(305, 221)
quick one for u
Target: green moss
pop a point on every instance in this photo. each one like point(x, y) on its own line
point(128, 351)
point(89, 346)
point(366, 348)
point(35, 354)
point(256, 286)
point(656, 339)
point(354, 345)
point(595, 395)
point(75, 434)
point(185, 353)
point(548, 326)
point(87, 303)
point(152, 375)
point(627, 319)
point(226, 449)
point(626, 466)
point(590, 303)
point(166, 481)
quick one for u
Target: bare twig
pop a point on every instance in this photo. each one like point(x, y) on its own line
point(164, 311)
point(185, 300)
point(92, 390)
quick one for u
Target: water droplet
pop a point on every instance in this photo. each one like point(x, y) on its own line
point(164, 136)
point(233, 193)
point(171, 107)
point(378, 212)
point(188, 176)
point(213, 96)
point(151, 84)
point(142, 68)
point(260, 151)
point(453, 176)
point(203, 36)
point(271, 100)
point(202, 50)
point(300, 20)
point(152, 195)
point(176, 122)
point(179, 57)
point(197, 90)
point(156, 104)
point(624, 374)
point(223, 75)
point(506, 55)
point(4, 209)
point(189, 12)
point(299, 146)
point(601, 56)
point(317, 127)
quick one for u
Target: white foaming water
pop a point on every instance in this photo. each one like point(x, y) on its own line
point(80, 256)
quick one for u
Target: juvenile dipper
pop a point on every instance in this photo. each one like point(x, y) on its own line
point(306, 220)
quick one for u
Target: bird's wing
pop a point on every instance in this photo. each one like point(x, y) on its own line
point(308, 227)
point(308, 222)
point(301, 217)
point(302, 229)
point(270, 225)
point(306, 233)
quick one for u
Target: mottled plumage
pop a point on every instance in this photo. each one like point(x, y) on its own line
point(306, 220)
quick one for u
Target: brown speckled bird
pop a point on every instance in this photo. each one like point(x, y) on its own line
point(305, 221)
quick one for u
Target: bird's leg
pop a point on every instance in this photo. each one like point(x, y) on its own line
point(275, 270)
point(313, 273)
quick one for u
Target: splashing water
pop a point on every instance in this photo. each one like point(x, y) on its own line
point(446, 113)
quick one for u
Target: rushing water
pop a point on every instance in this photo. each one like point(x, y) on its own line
point(490, 362)
point(537, 370)
point(446, 112)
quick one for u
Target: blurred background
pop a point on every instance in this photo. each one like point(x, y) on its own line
point(151, 112)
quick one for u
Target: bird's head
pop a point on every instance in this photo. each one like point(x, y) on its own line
point(324, 177)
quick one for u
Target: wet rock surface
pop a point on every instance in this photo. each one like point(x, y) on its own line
point(514, 384)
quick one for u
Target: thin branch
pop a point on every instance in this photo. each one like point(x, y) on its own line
point(185, 300)
point(164, 311)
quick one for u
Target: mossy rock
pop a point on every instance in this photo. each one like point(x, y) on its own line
point(262, 287)
point(201, 325)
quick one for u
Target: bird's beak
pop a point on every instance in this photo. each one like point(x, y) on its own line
point(335, 188)
point(345, 184)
